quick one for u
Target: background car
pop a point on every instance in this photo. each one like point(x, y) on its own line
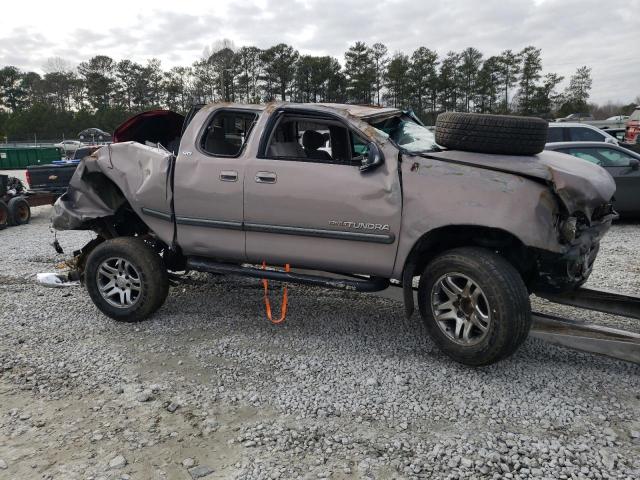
point(95, 135)
point(622, 164)
point(617, 133)
point(633, 127)
point(576, 117)
point(618, 118)
point(577, 132)
point(69, 145)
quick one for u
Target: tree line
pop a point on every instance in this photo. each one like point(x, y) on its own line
point(102, 92)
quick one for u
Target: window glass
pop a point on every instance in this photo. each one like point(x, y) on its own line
point(587, 154)
point(408, 134)
point(635, 115)
point(614, 158)
point(227, 132)
point(554, 134)
point(581, 134)
point(312, 140)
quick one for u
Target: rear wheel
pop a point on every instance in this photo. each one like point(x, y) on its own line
point(475, 305)
point(4, 215)
point(19, 211)
point(126, 279)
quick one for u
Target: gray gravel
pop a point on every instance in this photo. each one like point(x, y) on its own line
point(346, 388)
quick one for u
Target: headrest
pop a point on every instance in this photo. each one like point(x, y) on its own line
point(313, 140)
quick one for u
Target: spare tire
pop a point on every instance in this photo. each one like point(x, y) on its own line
point(500, 134)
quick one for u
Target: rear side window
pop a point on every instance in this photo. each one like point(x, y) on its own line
point(227, 132)
point(580, 134)
point(555, 134)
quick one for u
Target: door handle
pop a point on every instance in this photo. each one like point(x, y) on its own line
point(266, 177)
point(229, 176)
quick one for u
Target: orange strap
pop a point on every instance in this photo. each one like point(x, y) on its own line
point(267, 303)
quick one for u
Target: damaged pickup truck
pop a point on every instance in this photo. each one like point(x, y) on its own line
point(479, 212)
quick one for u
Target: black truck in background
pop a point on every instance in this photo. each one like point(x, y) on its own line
point(55, 177)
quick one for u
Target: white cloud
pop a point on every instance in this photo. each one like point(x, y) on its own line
point(571, 33)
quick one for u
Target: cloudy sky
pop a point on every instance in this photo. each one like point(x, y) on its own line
point(602, 34)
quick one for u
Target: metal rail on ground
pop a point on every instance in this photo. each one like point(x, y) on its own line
point(577, 334)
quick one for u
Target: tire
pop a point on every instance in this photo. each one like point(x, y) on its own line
point(131, 265)
point(4, 215)
point(503, 299)
point(19, 211)
point(498, 134)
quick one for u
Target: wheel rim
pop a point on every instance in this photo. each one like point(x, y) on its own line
point(23, 213)
point(460, 309)
point(119, 282)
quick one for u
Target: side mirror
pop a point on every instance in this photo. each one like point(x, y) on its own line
point(372, 159)
point(634, 164)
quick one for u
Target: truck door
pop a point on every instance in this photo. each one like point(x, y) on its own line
point(308, 204)
point(208, 183)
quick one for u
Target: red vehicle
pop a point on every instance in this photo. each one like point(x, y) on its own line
point(633, 127)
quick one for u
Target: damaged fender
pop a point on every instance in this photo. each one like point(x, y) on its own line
point(115, 175)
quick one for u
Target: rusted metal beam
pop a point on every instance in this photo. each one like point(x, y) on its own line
point(599, 300)
point(582, 336)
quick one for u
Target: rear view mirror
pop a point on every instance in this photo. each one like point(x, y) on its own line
point(634, 164)
point(372, 159)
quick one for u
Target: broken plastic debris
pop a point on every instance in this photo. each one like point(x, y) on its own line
point(55, 280)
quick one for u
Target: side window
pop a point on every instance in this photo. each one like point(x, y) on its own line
point(227, 132)
point(359, 147)
point(581, 134)
point(554, 134)
point(587, 154)
point(614, 158)
point(311, 140)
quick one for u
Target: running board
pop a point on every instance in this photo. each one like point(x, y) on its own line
point(599, 300)
point(373, 284)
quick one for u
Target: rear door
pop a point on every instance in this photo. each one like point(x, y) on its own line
point(208, 183)
point(308, 204)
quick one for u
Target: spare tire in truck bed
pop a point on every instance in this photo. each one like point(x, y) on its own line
point(500, 134)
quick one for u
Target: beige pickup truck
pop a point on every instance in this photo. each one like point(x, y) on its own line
point(478, 213)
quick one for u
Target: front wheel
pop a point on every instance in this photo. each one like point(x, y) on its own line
point(475, 305)
point(126, 279)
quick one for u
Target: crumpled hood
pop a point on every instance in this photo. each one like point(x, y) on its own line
point(581, 185)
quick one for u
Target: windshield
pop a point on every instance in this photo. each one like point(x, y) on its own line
point(408, 134)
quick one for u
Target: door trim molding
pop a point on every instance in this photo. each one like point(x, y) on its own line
point(386, 239)
point(320, 233)
point(205, 222)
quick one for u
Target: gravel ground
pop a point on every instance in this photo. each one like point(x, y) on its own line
point(347, 388)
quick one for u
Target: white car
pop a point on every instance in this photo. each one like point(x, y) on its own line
point(577, 132)
point(618, 118)
point(69, 145)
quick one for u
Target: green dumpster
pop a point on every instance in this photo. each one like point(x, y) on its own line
point(18, 158)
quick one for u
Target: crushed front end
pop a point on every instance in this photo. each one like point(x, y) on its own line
point(568, 270)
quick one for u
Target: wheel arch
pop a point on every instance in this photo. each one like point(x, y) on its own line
point(444, 238)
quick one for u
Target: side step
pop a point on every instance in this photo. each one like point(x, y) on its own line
point(599, 300)
point(373, 284)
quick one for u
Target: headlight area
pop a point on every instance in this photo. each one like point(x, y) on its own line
point(564, 271)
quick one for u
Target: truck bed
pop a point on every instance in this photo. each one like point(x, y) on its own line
point(51, 178)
